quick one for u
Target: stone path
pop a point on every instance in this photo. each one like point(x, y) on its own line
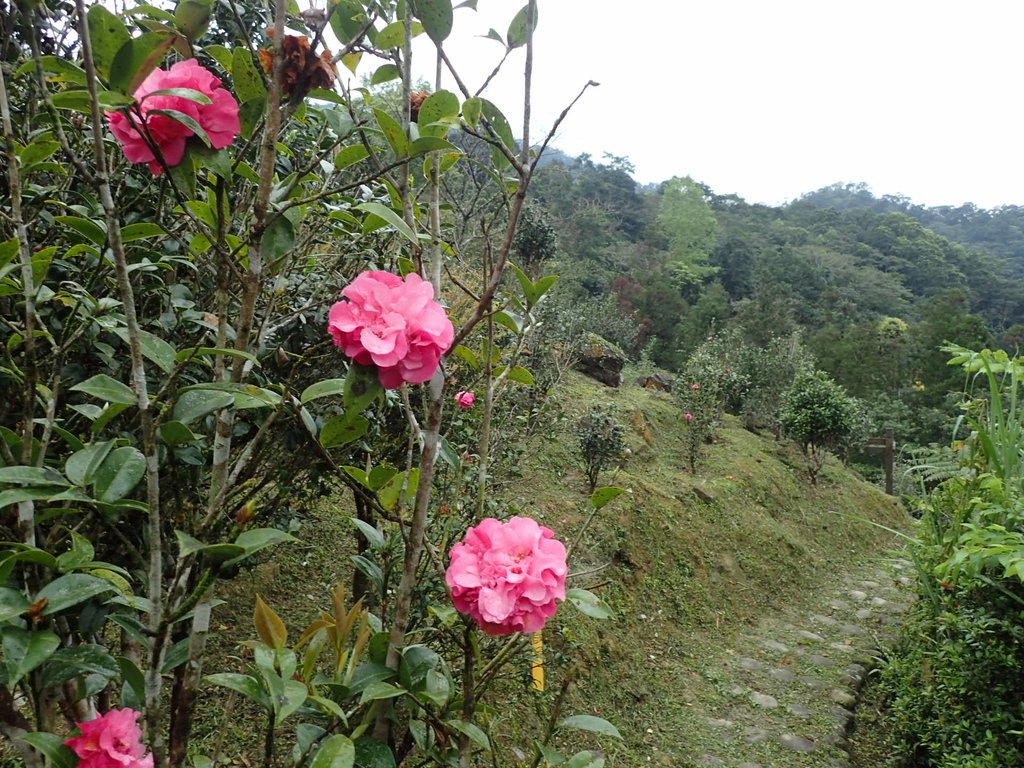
point(786, 690)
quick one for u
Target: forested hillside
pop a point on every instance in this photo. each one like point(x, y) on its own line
point(872, 286)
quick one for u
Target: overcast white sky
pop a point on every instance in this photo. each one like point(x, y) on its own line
point(770, 99)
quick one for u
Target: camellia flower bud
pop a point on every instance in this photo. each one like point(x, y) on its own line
point(465, 399)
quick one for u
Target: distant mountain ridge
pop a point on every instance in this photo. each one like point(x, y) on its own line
point(1000, 231)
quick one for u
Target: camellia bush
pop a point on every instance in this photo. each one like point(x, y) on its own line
point(229, 284)
point(819, 416)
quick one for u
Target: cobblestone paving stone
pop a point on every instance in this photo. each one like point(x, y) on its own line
point(789, 687)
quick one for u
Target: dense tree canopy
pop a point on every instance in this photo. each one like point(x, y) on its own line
point(836, 266)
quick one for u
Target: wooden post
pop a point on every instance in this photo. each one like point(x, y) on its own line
point(887, 459)
point(887, 447)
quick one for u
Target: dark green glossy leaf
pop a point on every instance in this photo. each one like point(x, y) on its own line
point(86, 227)
point(361, 387)
point(108, 389)
point(380, 475)
point(392, 36)
point(335, 751)
point(357, 474)
point(197, 403)
point(322, 94)
point(278, 239)
point(53, 493)
point(176, 433)
point(472, 110)
point(244, 684)
point(192, 352)
point(439, 107)
point(389, 216)
point(385, 73)
point(368, 673)
point(216, 160)
point(380, 690)
point(416, 663)
point(258, 539)
point(71, 589)
point(373, 537)
point(350, 156)
point(81, 553)
point(518, 28)
point(248, 80)
point(521, 375)
point(13, 603)
point(475, 734)
point(77, 100)
point(176, 655)
point(371, 753)
point(57, 69)
point(141, 231)
point(189, 94)
point(154, 349)
point(390, 493)
point(87, 659)
point(81, 466)
point(586, 759)
point(347, 20)
point(371, 570)
point(32, 476)
point(192, 17)
point(250, 114)
point(499, 124)
point(36, 152)
point(119, 473)
point(588, 603)
point(426, 144)
point(50, 744)
point(393, 132)
point(293, 697)
point(110, 412)
point(467, 356)
point(448, 454)
point(137, 58)
point(589, 723)
point(436, 16)
point(551, 756)
point(342, 430)
point(325, 388)
point(108, 34)
point(133, 692)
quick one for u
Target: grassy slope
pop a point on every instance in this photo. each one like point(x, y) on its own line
point(681, 574)
point(685, 574)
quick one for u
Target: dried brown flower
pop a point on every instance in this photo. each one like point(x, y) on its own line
point(416, 99)
point(303, 69)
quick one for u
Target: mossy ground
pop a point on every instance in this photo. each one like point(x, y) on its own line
point(684, 573)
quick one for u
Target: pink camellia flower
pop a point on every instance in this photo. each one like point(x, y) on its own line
point(112, 740)
point(219, 120)
point(394, 324)
point(509, 576)
point(688, 416)
point(695, 386)
point(465, 399)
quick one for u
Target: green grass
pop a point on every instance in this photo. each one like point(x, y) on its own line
point(686, 577)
